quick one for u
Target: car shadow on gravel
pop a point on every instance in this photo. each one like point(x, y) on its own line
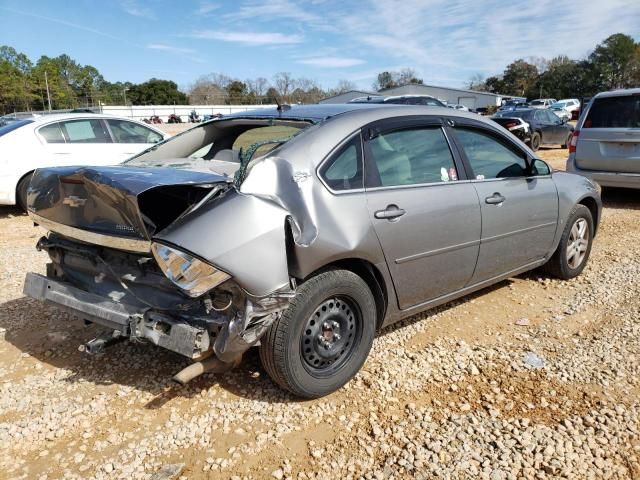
point(424, 315)
point(53, 338)
point(11, 211)
point(621, 198)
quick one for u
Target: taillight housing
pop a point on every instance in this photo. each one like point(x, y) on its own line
point(511, 125)
point(574, 141)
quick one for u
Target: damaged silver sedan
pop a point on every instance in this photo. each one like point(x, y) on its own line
point(302, 230)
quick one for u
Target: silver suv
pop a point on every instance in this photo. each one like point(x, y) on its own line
point(606, 143)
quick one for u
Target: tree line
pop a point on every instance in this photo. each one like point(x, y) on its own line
point(613, 64)
point(23, 87)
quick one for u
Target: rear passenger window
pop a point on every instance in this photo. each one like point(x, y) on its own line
point(86, 131)
point(614, 112)
point(344, 170)
point(129, 132)
point(489, 158)
point(412, 156)
point(52, 133)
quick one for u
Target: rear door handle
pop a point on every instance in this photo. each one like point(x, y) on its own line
point(495, 199)
point(389, 213)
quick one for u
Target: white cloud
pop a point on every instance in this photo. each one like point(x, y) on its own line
point(332, 62)
point(132, 7)
point(206, 8)
point(447, 42)
point(275, 10)
point(169, 48)
point(250, 38)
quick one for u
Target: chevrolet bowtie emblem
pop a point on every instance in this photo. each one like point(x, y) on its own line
point(74, 201)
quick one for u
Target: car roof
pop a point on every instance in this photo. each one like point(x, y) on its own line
point(315, 113)
point(618, 93)
point(71, 116)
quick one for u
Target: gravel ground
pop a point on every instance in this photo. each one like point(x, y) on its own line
point(532, 378)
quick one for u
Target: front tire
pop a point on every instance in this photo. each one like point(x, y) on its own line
point(323, 338)
point(22, 191)
point(574, 248)
point(534, 143)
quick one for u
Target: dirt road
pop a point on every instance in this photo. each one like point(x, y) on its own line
point(453, 393)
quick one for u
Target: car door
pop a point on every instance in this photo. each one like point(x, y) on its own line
point(131, 138)
point(558, 127)
point(546, 127)
point(82, 141)
point(519, 205)
point(427, 221)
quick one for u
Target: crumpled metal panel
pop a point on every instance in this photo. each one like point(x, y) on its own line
point(240, 234)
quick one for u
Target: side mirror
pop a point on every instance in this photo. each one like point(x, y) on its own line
point(538, 167)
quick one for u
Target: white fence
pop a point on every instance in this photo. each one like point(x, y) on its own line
point(138, 112)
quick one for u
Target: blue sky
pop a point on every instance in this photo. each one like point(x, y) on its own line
point(445, 41)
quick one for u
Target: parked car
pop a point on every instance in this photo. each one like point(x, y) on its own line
point(542, 102)
point(512, 104)
point(560, 112)
point(400, 100)
point(457, 106)
point(338, 221)
point(516, 125)
point(545, 128)
point(606, 142)
point(569, 104)
point(65, 139)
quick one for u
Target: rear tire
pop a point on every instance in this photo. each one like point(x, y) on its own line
point(323, 338)
point(22, 191)
point(534, 143)
point(568, 141)
point(574, 248)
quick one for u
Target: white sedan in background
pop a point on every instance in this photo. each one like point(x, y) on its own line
point(62, 140)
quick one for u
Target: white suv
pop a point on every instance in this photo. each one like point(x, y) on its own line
point(605, 146)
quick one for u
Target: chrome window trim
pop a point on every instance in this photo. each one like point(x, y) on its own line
point(111, 241)
point(419, 185)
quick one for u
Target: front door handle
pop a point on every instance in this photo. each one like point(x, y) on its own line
point(495, 199)
point(389, 213)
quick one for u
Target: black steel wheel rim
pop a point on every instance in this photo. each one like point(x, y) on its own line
point(330, 336)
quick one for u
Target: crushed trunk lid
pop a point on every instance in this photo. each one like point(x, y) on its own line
point(127, 202)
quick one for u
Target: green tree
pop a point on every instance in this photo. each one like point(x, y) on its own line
point(156, 92)
point(616, 62)
point(272, 96)
point(519, 79)
point(384, 80)
point(236, 93)
point(15, 87)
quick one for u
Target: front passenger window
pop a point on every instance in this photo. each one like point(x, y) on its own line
point(489, 158)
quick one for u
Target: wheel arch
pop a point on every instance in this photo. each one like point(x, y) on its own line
point(15, 190)
point(592, 205)
point(372, 277)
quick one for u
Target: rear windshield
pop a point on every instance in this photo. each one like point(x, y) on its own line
point(614, 112)
point(10, 126)
point(537, 102)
